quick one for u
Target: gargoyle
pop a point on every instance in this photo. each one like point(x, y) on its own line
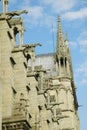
point(15, 13)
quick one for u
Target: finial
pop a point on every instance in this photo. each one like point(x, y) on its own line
point(66, 38)
point(60, 39)
point(4, 6)
point(59, 27)
point(58, 18)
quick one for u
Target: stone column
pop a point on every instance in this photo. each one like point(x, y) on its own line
point(21, 37)
point(64, 66)
point(59, 68)
point(67, 67)
point(4, 6)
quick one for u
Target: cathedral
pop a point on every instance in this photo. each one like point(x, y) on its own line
point(38, 91)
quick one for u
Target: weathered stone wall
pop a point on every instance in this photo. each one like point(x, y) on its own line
point(6, 69)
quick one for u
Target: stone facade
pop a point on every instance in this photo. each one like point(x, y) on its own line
point(38, 91)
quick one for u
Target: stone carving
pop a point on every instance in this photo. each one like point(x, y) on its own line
point(9, 15)
point(15, 13)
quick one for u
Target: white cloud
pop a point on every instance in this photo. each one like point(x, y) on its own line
point(81, 74)
point(48, 20)
point(82, 41)
point(73, 44)
point(15, 1)
point(12, 2)
point(60, 5)
point(37, 16)
point(36, 12)
point(83, 46)
point(82, 69)
point(83, 35)
point(83, 81)
point(40, 14)
point(80, 14)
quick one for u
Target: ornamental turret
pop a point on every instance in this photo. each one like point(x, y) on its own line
point(62, 53)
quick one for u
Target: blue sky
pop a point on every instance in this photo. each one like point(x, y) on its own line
point(41, 26)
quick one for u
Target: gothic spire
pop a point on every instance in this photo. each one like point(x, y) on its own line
point(62, 52)
point(60, 39)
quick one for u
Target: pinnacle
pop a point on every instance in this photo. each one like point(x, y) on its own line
point(60, 39)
